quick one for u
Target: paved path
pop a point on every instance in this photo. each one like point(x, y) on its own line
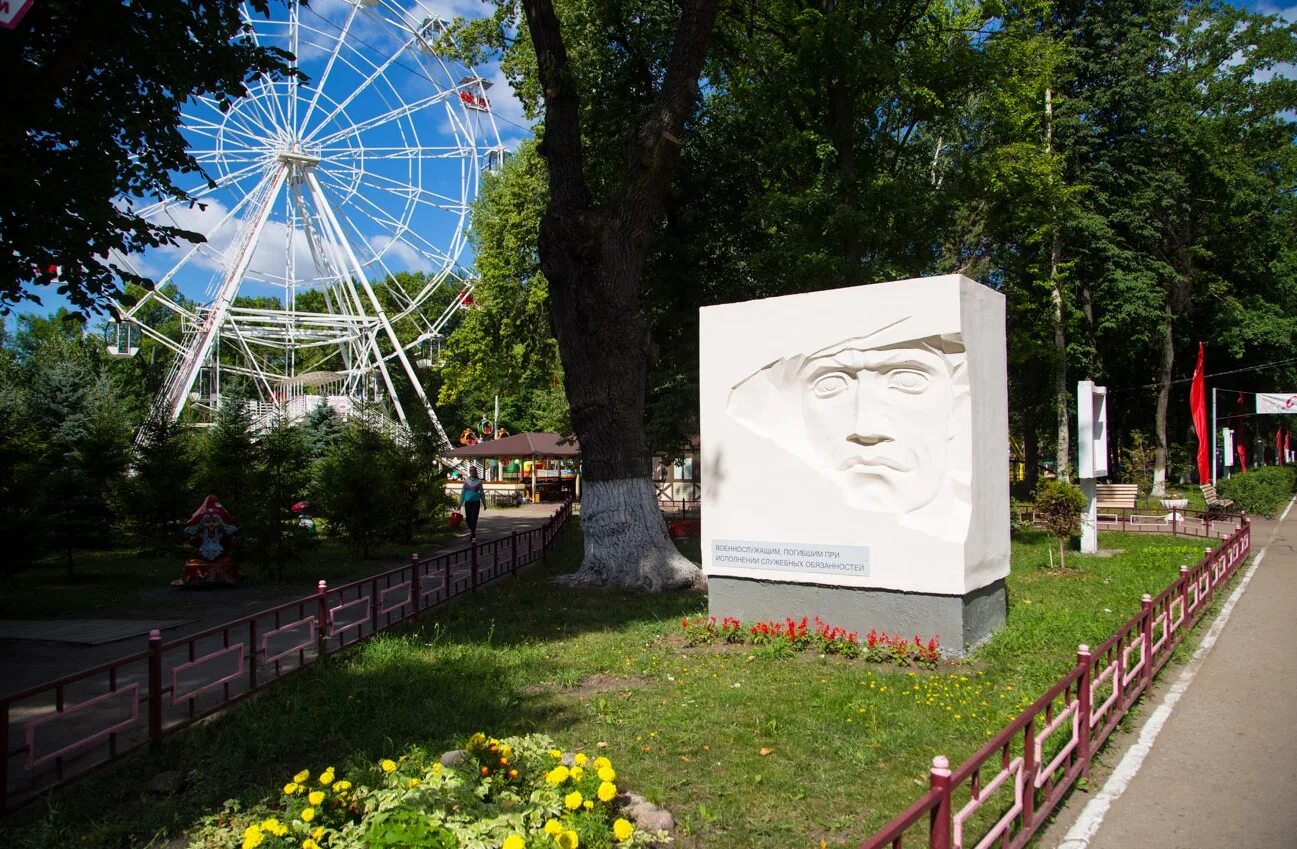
point(32, 653)
point(1219, 772)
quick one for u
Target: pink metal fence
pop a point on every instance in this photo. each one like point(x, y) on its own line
point(58, 731)
point(1003, 794)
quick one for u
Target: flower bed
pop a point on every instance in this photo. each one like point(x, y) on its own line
point(792, 635)
point(512, 793)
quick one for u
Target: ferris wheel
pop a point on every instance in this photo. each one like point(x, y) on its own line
point(335, 210)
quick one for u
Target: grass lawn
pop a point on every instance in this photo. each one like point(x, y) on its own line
point(746, 748)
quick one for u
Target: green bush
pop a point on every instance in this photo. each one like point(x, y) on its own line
point(1264, 490)
point(1059, 507)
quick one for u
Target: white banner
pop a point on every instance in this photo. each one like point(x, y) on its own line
point(1276, 402)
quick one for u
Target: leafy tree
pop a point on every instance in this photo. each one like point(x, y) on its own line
point(1059, 507)
point(226, 458)
point(610, 162)
point(280, 478)
point(353, 487)
point(20, 472)
point(504, 346)
point(154, 501)
point(91, 111)
point(321, 430)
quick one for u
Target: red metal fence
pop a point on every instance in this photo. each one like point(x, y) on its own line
point(1003, 794)
point(60, 730)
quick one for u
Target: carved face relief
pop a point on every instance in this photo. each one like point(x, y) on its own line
point(878, 422)
point(876, 419)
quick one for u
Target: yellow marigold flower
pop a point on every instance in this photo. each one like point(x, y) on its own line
point(588, 804)
point(388, 765)
point(556, 754)
point(580, 759)
point(568, 840)
point(514, 841)
point(303, 776)
point(506, 751)
point(413, 783)
point(317, 833)
point(290, 788)
point(557, 775)
point(341, 786)
point(601, 762)
point(252, 837)
point(607, 773)
point(553, 827)
point(274, 826)
point(326, 777)
point(577, 773)
point(622, 829)
point(607, 791)
point(315, 797)
point(307, 814)
point(308, 843)
point(573, 800)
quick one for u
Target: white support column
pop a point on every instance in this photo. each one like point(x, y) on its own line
point(179, 390)
point(1090, 521)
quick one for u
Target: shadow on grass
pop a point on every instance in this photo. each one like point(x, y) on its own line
point(481, 663)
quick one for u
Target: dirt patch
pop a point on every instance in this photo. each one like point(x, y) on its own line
point(592, 686)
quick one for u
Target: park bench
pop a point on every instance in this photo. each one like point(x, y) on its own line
point(1110, 498)
point(1215, 504)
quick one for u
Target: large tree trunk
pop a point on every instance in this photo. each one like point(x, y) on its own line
point(1163, 399)
point(593, 256)
point(1062, 409)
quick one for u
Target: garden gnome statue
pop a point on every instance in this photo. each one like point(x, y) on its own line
point(209, 531)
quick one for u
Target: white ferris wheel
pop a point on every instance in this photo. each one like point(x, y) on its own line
point(317, 195)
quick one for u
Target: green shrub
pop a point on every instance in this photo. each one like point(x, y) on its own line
point(1059, 507)
point(1264, 490)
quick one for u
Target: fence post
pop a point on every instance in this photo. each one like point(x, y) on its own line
point(155, 685)
point(939, 835)
point(1084, 706)
point(1184, 595)
point(1146, 627)
point(322, 617)
point(473, 558)
point(513, 554)
point(446, 577)
point(415, 594)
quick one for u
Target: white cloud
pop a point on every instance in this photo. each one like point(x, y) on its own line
point(397, 255)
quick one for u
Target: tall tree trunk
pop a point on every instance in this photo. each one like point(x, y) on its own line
point(593, 256)
point(1062, 410)
point(1163, 399)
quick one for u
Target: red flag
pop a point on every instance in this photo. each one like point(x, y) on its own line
point(1278, 447)
point(1198, 409)
point(1240, 437)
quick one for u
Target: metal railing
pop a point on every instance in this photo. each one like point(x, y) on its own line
point(61, 730)
point(1005, 792)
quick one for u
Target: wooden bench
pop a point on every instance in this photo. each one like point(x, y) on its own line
point(1111, 497)
point(1215, 504)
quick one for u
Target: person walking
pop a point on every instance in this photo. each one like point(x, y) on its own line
point(473, 497)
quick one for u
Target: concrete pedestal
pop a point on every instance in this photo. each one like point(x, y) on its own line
point(959, 622)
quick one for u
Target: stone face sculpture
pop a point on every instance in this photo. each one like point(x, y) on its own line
point(874, 419)
point(210, 530)
point(855, 457)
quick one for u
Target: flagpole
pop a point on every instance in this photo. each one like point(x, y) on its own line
point(1213, 436)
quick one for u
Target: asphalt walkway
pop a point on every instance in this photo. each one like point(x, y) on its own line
point(1211, 764)
point(33, 652)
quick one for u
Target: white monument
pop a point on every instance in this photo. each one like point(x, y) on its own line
point(1091, 455)
point(855, 458)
